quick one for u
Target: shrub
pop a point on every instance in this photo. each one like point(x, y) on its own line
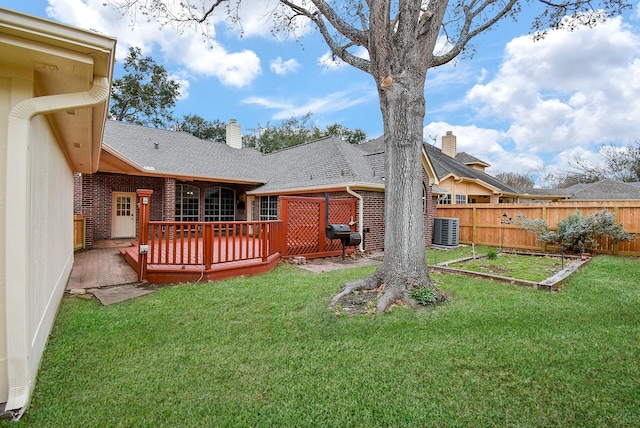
point(423, 296)
point(575, 233)
point(492, 254)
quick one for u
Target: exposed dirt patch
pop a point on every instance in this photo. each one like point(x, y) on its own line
point(496, 269)
point(359, 302)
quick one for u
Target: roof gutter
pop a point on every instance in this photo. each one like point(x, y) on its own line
point(317, 189)
point(20, 372)
point(360, 215)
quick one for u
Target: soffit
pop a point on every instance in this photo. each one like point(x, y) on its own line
point(60, 60)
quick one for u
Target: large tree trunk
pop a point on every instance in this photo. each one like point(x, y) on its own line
point(404, 265)
point(401, 52)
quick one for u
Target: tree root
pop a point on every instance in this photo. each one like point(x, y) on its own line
point(370, 282)
point(397, 288)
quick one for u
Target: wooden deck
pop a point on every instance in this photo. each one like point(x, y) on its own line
point(182, 252)
point(168, 252)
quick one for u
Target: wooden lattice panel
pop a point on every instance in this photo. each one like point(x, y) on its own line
point(305, 221)
point(303, 227)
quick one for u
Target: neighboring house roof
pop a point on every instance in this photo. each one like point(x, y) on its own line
point(324, 163)
point(152, 151)
point(445, 165)
point(605, 189)
point(467, 159)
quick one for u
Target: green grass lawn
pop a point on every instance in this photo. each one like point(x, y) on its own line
point(530, 268)
point(266, 351)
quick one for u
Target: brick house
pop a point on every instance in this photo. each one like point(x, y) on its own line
point(197, 180)
point(460, 178)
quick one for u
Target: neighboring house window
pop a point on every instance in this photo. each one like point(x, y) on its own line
point(268, 207)
point(187, 203)
point(219, 204)
point(461, 199)
point(424, 198)
point(444, 199)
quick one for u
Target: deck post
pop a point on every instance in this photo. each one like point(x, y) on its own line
point(208, 245)
point(144, 203)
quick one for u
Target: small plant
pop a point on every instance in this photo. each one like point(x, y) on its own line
point(423, 296)
point(492, 254)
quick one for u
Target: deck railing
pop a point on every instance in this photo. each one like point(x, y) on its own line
point(209, 243)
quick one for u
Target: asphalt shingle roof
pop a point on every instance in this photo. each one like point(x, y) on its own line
point(444, 165)
point(606, 189)
point(324, 162)
point(328, 161)
point(467, 159)
point(182, 154)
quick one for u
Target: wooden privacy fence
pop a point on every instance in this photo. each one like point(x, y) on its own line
point(487, 224)
point(79, 232)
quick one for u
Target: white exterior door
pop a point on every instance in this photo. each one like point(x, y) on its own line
point(123, 218)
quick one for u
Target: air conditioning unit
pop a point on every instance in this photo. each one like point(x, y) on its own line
point(445, 231)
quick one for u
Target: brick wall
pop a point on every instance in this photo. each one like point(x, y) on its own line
point(373, 215)
point(93, 199)
point(97, 189)
point(373, 220)
point(77, 193)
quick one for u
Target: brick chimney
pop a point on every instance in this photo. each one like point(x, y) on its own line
point(234, 134)
point(449, 144)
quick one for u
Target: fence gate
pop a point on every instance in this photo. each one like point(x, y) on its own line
point(304, 223)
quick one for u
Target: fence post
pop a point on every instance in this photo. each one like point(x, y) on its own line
point(144, 203)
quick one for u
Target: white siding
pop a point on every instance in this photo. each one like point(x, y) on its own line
point(5, 106)
point(51, 239)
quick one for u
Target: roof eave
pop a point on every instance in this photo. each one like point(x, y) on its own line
point(356, 186)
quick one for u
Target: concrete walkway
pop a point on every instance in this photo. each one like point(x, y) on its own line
point(104, 273)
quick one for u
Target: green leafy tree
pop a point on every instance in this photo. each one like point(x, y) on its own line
point(294, 131)
point(399, 37)
point(575, 233)
point(145, 94)
point(204, 129)
point(356, 136)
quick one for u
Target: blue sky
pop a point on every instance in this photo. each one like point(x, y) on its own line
point(522, 106)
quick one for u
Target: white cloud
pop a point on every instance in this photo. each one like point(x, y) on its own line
point(281, 67)
point(330, 103)
point(184, 83)
point(184, 47)
point(570, 89)
point(331, 63)
point(256, 19)
point(486, 145)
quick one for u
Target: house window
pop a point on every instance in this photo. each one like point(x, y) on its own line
point(268, 208)
point(461, 199)
point(187, 203)
point(219, 204)
point(444, 199)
